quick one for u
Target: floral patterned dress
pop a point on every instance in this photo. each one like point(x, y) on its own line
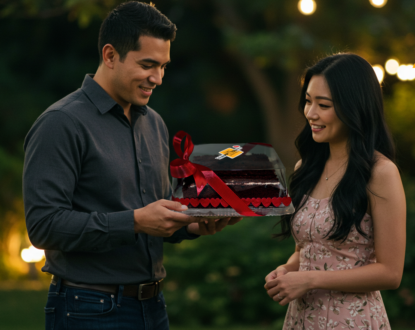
point(326, 309)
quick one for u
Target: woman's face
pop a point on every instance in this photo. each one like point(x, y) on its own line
point(319, 111)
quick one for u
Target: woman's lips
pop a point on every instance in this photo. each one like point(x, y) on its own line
point(317, 128)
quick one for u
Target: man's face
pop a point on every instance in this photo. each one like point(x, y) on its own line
point(134, 79)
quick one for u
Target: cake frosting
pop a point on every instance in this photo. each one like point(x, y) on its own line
point(252, 178)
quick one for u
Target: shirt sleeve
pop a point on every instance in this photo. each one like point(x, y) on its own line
point(180, 235)
point(52, 167)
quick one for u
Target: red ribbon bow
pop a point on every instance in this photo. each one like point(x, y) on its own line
point(183, 168)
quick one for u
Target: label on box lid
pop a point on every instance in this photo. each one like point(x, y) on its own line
point(232, 152)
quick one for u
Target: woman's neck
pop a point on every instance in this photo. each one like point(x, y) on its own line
point(339, 152)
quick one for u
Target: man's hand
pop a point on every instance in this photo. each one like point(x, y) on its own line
point(211, 226)
point(159, 218)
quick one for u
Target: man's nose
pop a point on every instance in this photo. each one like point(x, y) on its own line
point(157, 76)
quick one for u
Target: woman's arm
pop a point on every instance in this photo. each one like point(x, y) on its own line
point(293, 263)
point(388, 211)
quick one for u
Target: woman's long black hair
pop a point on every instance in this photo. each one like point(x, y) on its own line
point(358, 102)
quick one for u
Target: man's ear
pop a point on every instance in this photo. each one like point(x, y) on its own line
point(109, 55)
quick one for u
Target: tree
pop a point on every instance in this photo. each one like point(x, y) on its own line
point(235, 77)
point(272, 39)
point(271, 42)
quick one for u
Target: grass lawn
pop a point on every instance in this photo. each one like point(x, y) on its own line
point(23, 310)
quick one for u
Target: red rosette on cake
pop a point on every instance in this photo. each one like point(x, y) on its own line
point(229, 180)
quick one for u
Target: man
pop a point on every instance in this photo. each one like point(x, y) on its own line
point(96, 184)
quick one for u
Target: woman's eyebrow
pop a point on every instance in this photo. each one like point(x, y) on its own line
point(321, 97)
point(324, 98)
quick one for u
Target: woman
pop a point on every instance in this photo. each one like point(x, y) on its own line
point(349, 224)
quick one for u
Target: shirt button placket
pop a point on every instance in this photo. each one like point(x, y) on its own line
point(139, 164)
point(152, 254)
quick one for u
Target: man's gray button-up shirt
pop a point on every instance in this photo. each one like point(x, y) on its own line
point(86, 169)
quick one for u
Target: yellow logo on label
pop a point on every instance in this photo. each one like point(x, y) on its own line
point(232, 153)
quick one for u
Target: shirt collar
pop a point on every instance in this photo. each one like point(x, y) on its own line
point(100, 97)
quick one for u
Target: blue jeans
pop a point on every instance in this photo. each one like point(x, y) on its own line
point(79, 309)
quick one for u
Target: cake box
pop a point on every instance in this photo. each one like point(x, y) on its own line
point(229, 180)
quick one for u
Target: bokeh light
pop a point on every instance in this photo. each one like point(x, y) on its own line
point(406, 72)
point(32, 254)
point(378, 3)
point(380, 73)
point(307, 7)
point(392, 66)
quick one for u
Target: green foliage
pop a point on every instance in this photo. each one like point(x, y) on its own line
point(10, 173)
point(277, 31)
point(400, 114)
point(400, 303)
point(50, 45)
point(14, 304)
point(275, 48)
point(219, 280)
point(82, 11)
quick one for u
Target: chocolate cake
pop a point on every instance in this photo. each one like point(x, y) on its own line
point(258, 180)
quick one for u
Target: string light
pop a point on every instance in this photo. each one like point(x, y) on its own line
point(380, 73)
point(32, 254)
point(378, 3)
point(411, 74)
point(307, 7)
point(402, 72)
point(392, 66)
point(406, 72)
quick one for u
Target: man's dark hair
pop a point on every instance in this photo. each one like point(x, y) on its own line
point(126, 23)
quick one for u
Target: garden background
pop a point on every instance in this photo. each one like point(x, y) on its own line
point(235, 77)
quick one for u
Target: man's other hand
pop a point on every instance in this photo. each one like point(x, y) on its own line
point(210, 226)
point(159, 218)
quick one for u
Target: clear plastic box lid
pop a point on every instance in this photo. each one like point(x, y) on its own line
point(237, 163)
point(254, 172)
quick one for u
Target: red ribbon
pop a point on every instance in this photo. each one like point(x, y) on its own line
point(183, 168)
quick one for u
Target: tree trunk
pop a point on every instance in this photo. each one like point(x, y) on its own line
point(282, 126)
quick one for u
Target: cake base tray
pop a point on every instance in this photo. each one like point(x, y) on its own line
point(229, 212)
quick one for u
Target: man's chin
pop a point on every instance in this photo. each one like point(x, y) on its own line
point(140, 102)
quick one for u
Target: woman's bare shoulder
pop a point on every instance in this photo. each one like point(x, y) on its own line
point(383, 167)
point(385, 175)
point(297, 165)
